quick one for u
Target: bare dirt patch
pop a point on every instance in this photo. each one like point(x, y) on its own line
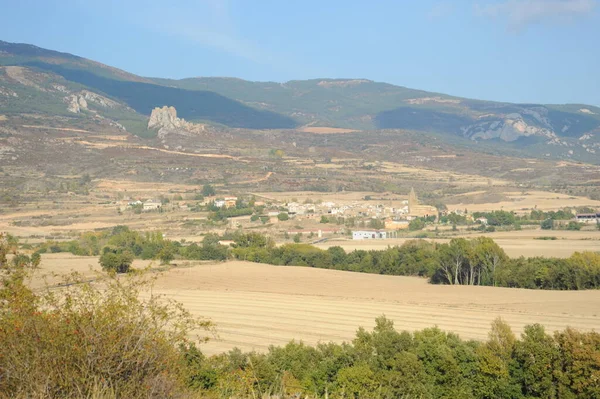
point(325, 130)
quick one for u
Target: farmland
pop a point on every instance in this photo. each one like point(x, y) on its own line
point(255, 305)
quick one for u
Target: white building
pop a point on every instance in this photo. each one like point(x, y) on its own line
point(369, 235)
point(588, 217)
point(152, 205)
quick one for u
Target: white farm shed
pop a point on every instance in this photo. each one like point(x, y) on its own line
point(369, 235)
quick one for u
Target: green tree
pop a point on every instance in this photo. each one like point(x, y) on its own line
point(297, 237)
point(547, 224)
point(166, 255)
point(536, 355)
point(573, 225)
point(283, 216)
point(116, 260)
point(487, 257)
point(494, 361)
point(416, 224)
point(208, 190)
point(249, 240)
point(376, 224)
point(356, 382)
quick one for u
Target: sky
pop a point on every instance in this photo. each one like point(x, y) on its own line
point(527, 51)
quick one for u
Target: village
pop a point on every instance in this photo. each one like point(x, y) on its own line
point(365, 218)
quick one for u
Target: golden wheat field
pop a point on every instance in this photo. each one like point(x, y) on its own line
point(255, 305)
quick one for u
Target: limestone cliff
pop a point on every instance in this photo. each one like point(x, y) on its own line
point(509, 127)
point(166, 121)
point(79, 101)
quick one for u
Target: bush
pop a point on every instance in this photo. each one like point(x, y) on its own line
point(416, 224)
point(91, 340)
point(573, 225)
point(115, 260)
point(547, 224)
point(283, 216)
point(208, 190)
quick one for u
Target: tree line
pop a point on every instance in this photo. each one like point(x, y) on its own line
point(386, 363)
point(478, 261)
point(119, 246)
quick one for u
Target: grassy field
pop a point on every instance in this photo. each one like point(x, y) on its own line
point(255, 305)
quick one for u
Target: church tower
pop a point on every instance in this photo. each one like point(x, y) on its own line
point(412, 200)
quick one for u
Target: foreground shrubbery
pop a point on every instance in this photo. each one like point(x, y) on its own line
point(90, 340)
point(386, 363)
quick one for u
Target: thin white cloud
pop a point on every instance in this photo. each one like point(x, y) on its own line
point(520, 13)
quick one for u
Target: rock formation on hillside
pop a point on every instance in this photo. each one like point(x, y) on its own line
point(79, 101)
point(166, 121)
point(510, 128)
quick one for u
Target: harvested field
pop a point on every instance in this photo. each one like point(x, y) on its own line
point(255, 305)
point(541, 200)
point(514, 243)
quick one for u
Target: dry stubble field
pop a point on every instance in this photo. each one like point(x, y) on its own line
point(256, 305)
point(514, 243)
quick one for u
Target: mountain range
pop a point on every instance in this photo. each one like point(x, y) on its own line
point(34, 80)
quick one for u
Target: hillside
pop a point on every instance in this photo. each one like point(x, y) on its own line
point(367, 105)
point(36, 80)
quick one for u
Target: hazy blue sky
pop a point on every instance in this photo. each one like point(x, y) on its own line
point(511, 50)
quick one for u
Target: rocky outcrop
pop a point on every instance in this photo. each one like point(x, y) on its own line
point(166, 121)
point(76, 103)
point(511, 127)
point(98, 99)
point(79, 101)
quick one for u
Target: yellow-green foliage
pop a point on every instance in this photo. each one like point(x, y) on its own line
point(111, 338)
